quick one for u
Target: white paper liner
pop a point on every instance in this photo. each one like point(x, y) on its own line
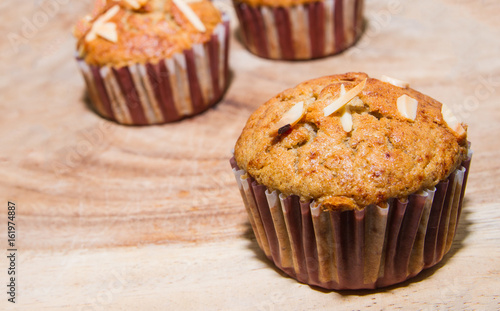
point(303, 31)
point(183, 85)
point(374, 247)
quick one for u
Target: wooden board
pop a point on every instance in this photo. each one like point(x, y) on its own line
point(119, 217)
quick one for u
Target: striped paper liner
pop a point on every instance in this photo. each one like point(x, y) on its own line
point(360, 249)
point(183, 85)
point(305, 31)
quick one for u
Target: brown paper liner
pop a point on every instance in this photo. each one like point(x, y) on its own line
point(360, 249)
point(183, 85)
point(305, 31)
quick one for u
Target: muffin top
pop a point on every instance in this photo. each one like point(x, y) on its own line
point(275, 3)
point(121, 32)
point(348, 141)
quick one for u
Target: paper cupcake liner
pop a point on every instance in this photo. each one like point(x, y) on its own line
point(183, 85)
point(360, 249)
point(305, 31)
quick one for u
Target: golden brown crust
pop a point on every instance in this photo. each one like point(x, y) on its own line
point(275, 3)
point(384, 156)
point(155, 31)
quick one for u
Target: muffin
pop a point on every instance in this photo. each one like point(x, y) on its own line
point(151, 62)
point(352, 182)
point(299, 29)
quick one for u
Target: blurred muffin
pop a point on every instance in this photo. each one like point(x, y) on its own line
point(299, 29)
point(352, 182)
point(153, 61)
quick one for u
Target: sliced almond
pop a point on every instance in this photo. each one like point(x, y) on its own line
point(108, 15)
point(290, 118)
point(134, 4)
point(107, 31)
point(342, 89)
point(346, 119)
point(344, 99)
point(451, 120)
point(91, 35)
point(190, 14)
point(407, 106)
point(395, 82)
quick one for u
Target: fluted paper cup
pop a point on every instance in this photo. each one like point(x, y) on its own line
point(183, 85)
point(300, 32)
point(359, 249)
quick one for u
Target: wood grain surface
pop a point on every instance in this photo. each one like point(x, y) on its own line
point(150, 218)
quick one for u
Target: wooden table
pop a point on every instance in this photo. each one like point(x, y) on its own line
point(119, 217)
